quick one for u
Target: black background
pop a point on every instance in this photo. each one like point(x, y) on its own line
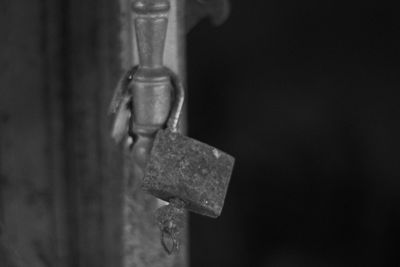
point(305, 95)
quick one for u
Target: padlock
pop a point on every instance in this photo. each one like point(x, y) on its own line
point(187, 169)
point(186, 173)
point(177, 166)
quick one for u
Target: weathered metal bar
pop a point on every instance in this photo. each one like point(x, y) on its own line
point(151, 88)
point(142, 246)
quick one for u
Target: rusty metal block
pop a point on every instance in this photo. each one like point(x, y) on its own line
point(184, 168)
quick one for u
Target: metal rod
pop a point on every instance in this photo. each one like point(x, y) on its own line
point(141, 236)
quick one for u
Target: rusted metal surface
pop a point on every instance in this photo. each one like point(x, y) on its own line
point(184, 168)
point(171, 220)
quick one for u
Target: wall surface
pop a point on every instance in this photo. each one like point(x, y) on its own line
point(64, 195)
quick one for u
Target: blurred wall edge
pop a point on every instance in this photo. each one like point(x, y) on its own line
point(61, 188)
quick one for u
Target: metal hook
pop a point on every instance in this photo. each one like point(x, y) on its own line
point(179, 100)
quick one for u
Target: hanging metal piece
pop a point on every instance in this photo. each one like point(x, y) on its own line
point(187, 174)
point(171, 220)
point(184, 168)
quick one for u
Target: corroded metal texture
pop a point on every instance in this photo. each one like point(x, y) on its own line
point(185, 168)
point(171, 220)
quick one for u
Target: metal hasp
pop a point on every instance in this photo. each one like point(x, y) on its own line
point(150, 85)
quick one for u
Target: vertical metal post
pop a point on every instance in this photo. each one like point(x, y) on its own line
point(141, 236)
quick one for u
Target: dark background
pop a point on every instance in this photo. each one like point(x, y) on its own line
point(304, 95)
